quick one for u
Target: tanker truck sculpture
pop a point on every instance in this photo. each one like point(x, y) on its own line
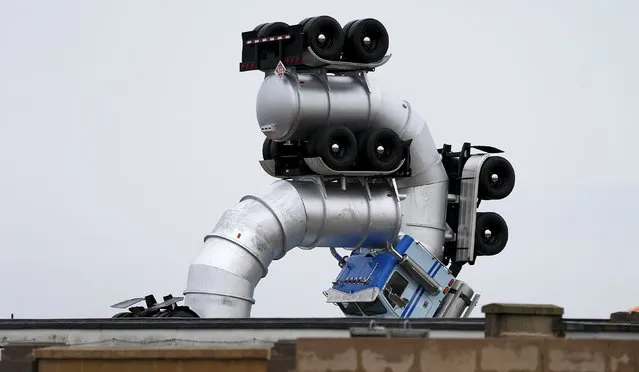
point(358, 169)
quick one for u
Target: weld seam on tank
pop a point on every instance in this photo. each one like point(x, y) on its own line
point(369, 98)
point(426, 225)
point(374, 99)
point(409, 108)
point(369, 220)
point(329, 101)
point(320, 229)
point(277, 218)
point(231, 237)
point(406, 127)
point(233, 291)
point(251, 300)
point(244, 247)
point(298, 114)
point(279, 210)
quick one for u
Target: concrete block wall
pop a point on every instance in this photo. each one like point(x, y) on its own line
point(519, 338)
point(151, 359)
point(466, 355)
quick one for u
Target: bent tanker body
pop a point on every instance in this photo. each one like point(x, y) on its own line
point(356, 168)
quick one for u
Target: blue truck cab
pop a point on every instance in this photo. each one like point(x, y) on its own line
point(402, 282)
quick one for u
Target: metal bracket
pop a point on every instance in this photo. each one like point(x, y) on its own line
point(472, 305)
point(318, 166)
point(468, 208)
point(322, 76)
point(317, 179)
point(341, 261)
point(362, 76)
point(366, 81)
point(449, 234)
point(393, 184)
point(367, 187)
point(311, 58)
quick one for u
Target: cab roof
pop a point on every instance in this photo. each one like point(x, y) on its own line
point(369, 270)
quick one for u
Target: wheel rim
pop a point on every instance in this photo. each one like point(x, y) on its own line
point(489, 237)
point(339, 147)
point(497, 178)
point(324, 41)
point(369, 43)
point(384, 150)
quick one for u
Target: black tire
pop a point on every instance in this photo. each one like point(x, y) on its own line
point(496, 188)
point(304, 21)
point(259, 27)
point(124, 315)
point(273, 29)
point(331, 47)
point(266, 149)
point(347, 27)
point(390, 157)
point(356, 50)
point(310, 149)
point(496, 242)
point(271, 149)
point(182, 313)
point(345, 156)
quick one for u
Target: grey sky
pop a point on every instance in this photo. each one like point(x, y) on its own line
point(126, 130)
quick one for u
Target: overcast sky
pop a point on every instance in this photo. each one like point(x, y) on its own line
point(126, 130)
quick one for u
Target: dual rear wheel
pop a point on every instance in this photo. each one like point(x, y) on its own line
point(496, 182)
point(376, 149)
point(363, 41)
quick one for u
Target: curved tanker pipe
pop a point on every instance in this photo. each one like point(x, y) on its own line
point(308, 213)
point(236, 255)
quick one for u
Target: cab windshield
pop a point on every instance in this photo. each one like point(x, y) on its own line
point(363, 308)
point(394, 290)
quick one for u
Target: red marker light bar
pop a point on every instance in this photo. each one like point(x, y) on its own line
point(248, 66)
point(268, 39)
point(292, 60)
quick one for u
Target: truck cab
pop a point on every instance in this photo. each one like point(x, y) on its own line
point(406, 281)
